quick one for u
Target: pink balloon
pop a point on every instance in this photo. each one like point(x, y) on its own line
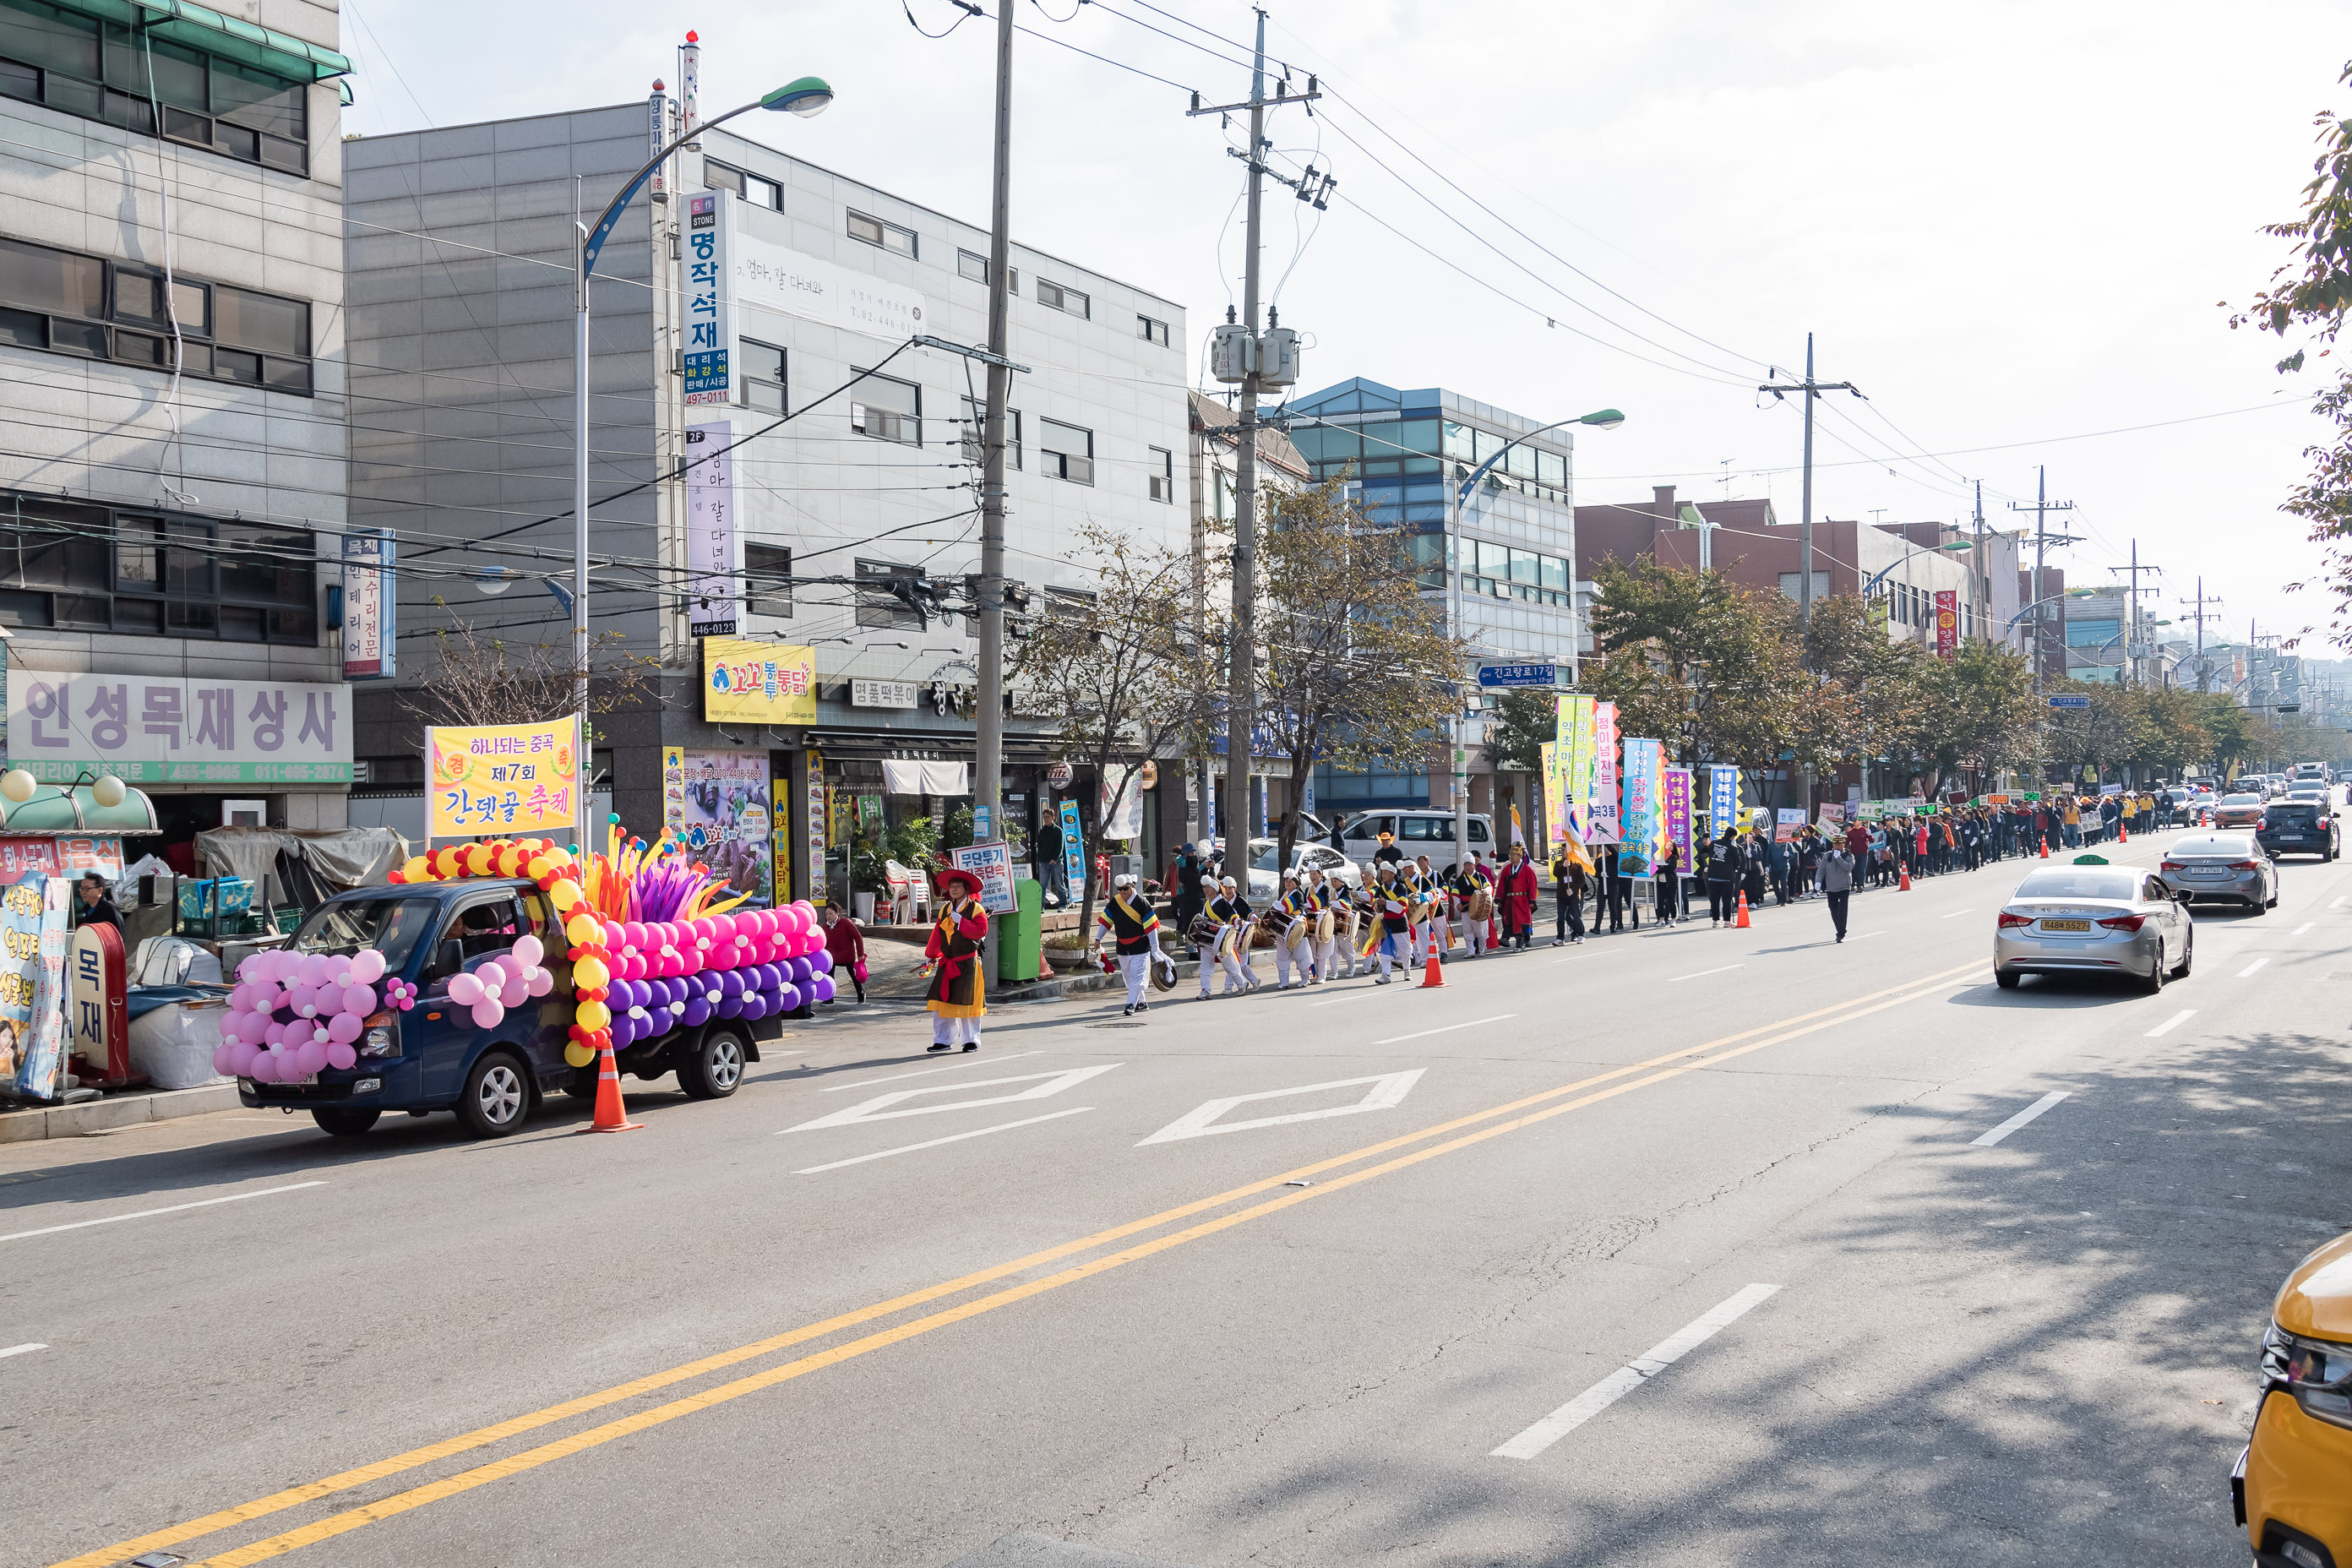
point(465, 990)
point(273, 1033)
point(358, 999)
point(250, 970)
point(636, 966)
point(311, 968)
point(263, 1068)
point(528, 950)
point(542, 982)
point(340, 1056)
point(632, 934)
point(515, 991)
point(616, 936)
point(367, 966)
point(487, 1011)
point(241, 1062)
point(225, 1060)
point(344, 1028)
point(310, 1056)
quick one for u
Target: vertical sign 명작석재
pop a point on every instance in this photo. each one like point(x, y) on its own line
point(714, 552)
point(710, 324)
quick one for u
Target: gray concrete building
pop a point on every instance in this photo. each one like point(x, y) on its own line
point(173, 405)
point(848, 453)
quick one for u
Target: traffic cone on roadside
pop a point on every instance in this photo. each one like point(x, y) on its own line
point(1906, 880)
point(1741, 923)
point(611, 1115)
point(1435, 974)
point(2124, 828)
point(2045, 846)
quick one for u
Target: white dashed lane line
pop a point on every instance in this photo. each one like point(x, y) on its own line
point(1986, 1140)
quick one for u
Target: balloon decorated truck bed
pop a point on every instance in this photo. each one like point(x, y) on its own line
point(489, 973)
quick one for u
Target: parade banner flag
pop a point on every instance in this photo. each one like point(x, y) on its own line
point(1604, 798)
point(1572, 755)
point(1679, 815)
point(1722, 797)
point(1643, 820)
point(502, 778)
point(1555, 793)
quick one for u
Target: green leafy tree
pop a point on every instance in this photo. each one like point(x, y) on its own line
point(1525, 720)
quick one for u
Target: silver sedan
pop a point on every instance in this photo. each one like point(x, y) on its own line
point(2089, 916)
point(2232, 865)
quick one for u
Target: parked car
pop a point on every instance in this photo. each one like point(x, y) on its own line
point(1265, 886)
point(2216, 865)
point(2293, 1484)
point(1417, 831)
point(2091, 917)
point(2293, 827)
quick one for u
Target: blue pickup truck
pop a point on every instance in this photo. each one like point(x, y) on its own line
point(431, 1058)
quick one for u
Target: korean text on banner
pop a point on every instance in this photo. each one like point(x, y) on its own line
point(1722, 797)
point(709, 323)
point(714, 549)
point(1790, 822)
point(176, 729)
point(993, 864)
point(1678, 816)
point(1073, 846)
point(769, 277)
point(758, 682)
point(1948, 623)
point(32, 987)
point(722, 813)
point(1643, 820)
point(69, 855)
point(1607, 824)
point(371, 630)
point(812, 823)
point(502, 779)
point(1555, 797)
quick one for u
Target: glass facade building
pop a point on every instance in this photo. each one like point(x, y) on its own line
point(1512, 550)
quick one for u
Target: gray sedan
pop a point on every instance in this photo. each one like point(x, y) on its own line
point(2232, 866)
point(2089, 916)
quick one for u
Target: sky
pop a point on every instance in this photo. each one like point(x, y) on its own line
point(2013, 226)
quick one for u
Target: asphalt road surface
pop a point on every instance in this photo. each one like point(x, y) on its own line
point(1688, 1247)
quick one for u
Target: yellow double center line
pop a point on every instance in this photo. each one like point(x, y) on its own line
point(1499, 1119)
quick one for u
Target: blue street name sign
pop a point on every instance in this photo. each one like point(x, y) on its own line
point(1494, 676)
point(2070, 702)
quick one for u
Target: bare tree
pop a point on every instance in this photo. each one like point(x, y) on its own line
point(483, 678)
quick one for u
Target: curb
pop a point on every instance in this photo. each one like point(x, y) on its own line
point(1078, 985)
point(127, 1110)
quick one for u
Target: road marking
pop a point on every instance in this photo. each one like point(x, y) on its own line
point(19, 1350)
point(2252, 967)
point(1632, 1374)
point(1958, 913)
point(2338, 902)
point(952, 1137)
point(926, 1072)
point(1988, 1139)
point(2303, 927)
point(878, 1108)
point(149, 1214)
point(1523, 1112)
point(1387, 1092)
point(1704, 972)
point(2172, 1023)
point(1446, 1029)
point(1334, 1001)
point(1865, 936)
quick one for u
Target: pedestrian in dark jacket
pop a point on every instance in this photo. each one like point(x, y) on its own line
point(1723, 865)
point(1837, 885)
point(1569, 886)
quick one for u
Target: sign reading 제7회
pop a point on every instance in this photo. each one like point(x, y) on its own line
point(175, 729)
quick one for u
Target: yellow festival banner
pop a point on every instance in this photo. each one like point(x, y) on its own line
point(1555, 797)
point(758, 682)
point(506, 779)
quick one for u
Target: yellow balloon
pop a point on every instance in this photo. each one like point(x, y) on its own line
point(537, 866)
point(416, 869)
point(478, 860)
point(508, 862)
point(578, 1055)
point(564, 895)
point(593, 1015)
point(583, 931)
point(591, 972)
point(558, 856)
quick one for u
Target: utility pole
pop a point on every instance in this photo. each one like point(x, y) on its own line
point(2204, 671)
point(1812, 389)
point(988, 730)
point(1241, 697)
point(2042, 539)
point(1981, 590)
point(2132, 621)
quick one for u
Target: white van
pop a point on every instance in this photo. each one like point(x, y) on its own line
point(1418, 830)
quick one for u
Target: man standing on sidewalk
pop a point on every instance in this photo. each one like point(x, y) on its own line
point(1837, 883)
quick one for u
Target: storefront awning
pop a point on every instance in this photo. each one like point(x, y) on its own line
point(55, 810)
point(231, 38)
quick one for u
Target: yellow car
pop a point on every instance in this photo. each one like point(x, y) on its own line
point(2293, 1482)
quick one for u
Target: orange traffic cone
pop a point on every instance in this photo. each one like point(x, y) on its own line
point(1906, 880)
point(2045, 846)
point(1741, 923)
point(2124, 828)
point(1435, 974)
point(611, 1115)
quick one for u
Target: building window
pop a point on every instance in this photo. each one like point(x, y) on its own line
point(763, 377)
point(888, 235)
point(66, 303)
point(1162, 465)
point(1151, 331)
point(93, 568)
point(1790, 586)
point(1067, 451)
point(76, 64)
point(1055, 296)
point(974, 265)
point(753, 189)
point(888, 410)
point(878, 604)
point(975, 417)
point(768, 580)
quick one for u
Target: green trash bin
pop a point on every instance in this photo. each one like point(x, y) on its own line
point(1020, 935)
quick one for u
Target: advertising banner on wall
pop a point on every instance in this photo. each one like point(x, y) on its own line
point(770, 277)
point(720, 808)
point(813, 825)
point(1643, 821)
point(714, 551)
point(509, 779)
point(758, 682)
point(369, 605)
point(1948, 623)
point(709, 319)
point(1605, 797)
point(32, 987)
point(177, 730)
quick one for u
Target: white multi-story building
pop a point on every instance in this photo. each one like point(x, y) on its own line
point(173, 421)
point(853, 455)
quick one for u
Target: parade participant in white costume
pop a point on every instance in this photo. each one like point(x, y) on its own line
point(1294, 933)
point(1130, 918)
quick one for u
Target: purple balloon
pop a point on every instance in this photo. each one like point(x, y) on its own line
point(729, 983)
point(771, 975)
point(755, 1005)
point(698, 1011)
point(660, 991)
point(823, 986)
point(625, 1030)
point(729, 1006)
point(800, 970)
point(788, 996)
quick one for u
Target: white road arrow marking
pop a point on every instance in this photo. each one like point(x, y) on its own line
point(880, 1108)
point(1387, 1092)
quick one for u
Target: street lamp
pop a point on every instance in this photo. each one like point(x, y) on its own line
point(1456, 499)
point(805, 96)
